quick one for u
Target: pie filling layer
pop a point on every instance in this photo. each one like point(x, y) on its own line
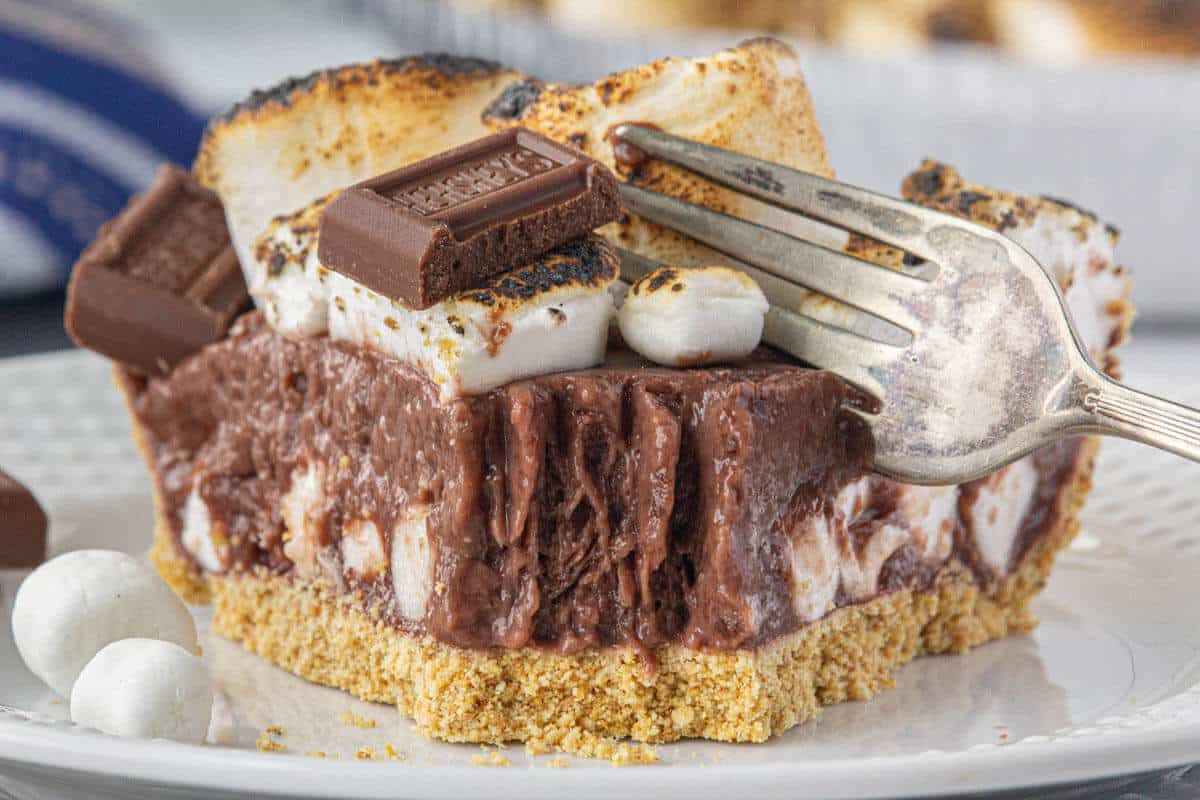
point(625, 505)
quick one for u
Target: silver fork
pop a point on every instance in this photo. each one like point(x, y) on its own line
point(988, 366)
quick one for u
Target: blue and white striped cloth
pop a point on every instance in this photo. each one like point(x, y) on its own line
point(84, 122)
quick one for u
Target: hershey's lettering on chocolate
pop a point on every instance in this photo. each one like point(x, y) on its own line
point(446, 224)
point(22, 526)
point(160, 281)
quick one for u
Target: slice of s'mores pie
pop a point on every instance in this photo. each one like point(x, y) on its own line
point(484, 508)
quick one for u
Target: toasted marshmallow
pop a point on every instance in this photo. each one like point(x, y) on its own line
point(205, 540)
point(281, 148)
point(930, 514)
point(547, 316)
point(1071, 243)
point(302, 508)
point(1046, 31)
point(145, 688)
point(362, 549)
point(826, 556)
point(412, 563)
point(817, 555)
point(71, 607)
point(1001, 503)
point(751, 99)
point(286, 280)
point(1080, 252)
point(689, 317)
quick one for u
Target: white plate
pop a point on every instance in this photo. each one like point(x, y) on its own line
point(1107, 684)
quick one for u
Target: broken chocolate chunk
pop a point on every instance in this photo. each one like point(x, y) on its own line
point(160, 281)
point(446, 224)
point(23, 526)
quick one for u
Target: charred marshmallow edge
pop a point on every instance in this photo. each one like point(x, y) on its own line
point(548, 316)
point(688, 317)
point(1080, 252)
point(1076, 249)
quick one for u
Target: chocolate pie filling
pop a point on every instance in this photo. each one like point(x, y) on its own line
point(620, 505)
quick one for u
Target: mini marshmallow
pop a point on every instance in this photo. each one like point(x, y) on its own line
point(69, 608)
point(412, 563)
point(547, 316)
point(688, 317)
point(145, 688)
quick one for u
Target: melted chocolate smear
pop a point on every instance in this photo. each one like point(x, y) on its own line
point(626, 154)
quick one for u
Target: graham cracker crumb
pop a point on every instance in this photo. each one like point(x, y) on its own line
point(277, 730)
point(268, 745)
point(393, 754)
point(315, 753)
point(535, 747)
point(627, 755)
point(588, 745)
point(365, 754)
point(558, 762)
point(490, 759)
point(349, 718)
point(439, 588)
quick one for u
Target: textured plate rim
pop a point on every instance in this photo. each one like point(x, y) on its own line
point(62, 747)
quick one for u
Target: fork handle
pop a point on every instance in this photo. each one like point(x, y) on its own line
point(1126, 412)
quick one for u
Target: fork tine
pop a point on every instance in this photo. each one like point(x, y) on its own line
point(635, 267)
point(848, 354)
point(781, 293)
point(883, 218)
point(884, 293)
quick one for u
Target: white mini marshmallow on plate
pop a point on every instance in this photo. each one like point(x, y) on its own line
point(71, 607)
point(689, 317)
point(145, 688)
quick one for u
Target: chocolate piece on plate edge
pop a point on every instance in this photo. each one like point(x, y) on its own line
point(160, 281)
point(23, 526)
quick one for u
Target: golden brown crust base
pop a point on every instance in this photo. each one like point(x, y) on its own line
point(567, 701)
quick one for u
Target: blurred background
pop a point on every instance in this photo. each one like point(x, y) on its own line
point(1097, 101)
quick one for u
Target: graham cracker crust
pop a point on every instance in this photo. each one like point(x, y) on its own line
point(553, 701)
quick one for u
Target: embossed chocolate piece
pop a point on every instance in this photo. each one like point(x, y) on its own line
point(22, 526)
point(160, 281)
point(446, 224)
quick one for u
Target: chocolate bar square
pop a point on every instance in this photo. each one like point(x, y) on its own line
point(441, 226)
point(160, 281)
